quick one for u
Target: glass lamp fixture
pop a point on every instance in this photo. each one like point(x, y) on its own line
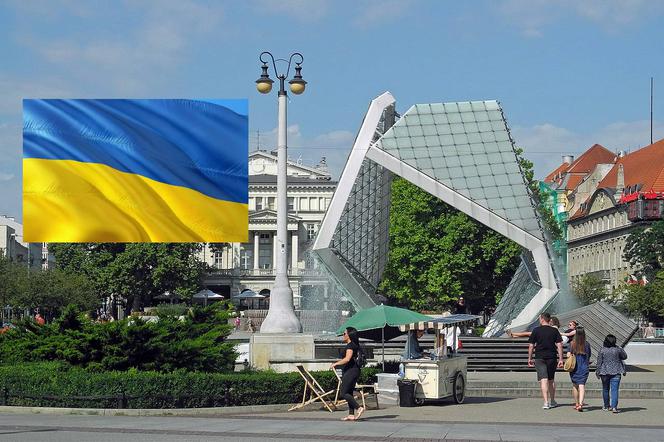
point(297, 84)
point(264, 83)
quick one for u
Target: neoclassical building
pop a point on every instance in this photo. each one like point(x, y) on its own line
point(251, 265)
point(630, 195)
point(13, 247)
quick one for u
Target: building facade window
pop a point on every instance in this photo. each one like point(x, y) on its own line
point(246, 259)
point(270, 202)
point(291, 204)
point(259, 203)
point(311, 231)
point(218, 259)
point(265, 251)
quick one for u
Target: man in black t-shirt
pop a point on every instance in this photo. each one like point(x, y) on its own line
point(547, 343)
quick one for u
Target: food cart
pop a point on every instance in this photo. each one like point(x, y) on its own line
point(444, 373)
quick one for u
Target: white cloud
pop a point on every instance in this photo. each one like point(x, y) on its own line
point(334, 146)
point(301, 10)
point(533, 16)
point(13, 91)
point(128, 61)
point(545, 144)
point(10, 169)
point(376, 12)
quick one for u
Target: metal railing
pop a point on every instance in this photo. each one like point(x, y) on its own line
point(263, 272)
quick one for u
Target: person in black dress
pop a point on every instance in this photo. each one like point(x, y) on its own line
point(351, 373)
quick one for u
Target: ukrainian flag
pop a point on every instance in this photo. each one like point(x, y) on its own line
point(135, 171)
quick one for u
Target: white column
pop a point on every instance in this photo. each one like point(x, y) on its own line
point(281, 314)
point(294, 251)
point(236, 255)
point(257, 241)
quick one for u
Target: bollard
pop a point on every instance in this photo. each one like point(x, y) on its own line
point(122, 400)
point(5, 396)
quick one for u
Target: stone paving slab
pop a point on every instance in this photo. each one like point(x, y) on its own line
point(634, 413)
point(114, 428)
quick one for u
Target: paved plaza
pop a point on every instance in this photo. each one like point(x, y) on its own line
point(477, 419)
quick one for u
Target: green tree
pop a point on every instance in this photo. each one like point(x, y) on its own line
point(541, 204)
point(50, 289)
point(645, 301)
point(644, 249)
point(137, 271)
point(197, 342)
point(438, 254)
point(589, 289)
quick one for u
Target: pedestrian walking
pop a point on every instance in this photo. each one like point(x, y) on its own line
point(351, 372)
point(250, 325)
point(610, 369)
point(546, 343)
point(237, 323)
point(580, 350)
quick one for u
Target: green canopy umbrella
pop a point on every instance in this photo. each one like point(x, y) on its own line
point(381, 323)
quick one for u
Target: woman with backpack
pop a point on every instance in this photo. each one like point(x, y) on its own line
point(579, 349)
point(352, 362)
point(610, 368)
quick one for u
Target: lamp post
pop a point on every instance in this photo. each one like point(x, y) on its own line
point(281, 313)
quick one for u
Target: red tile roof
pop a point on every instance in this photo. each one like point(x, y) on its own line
point(582, 166)
point(644, 166)
point(597, 154)
point(551, 177)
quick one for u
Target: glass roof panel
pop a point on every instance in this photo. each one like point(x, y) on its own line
point(475, 142)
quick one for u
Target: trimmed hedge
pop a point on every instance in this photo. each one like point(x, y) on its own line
point(196, 343)
point(53, 384)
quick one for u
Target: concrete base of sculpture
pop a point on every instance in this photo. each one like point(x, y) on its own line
point(292, 347)
point(645, 353)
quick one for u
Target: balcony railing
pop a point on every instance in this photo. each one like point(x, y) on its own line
point(262, 272)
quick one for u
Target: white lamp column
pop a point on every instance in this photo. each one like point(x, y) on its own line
point(281, 314)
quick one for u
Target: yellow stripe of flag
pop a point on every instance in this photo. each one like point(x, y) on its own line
point(98, 203)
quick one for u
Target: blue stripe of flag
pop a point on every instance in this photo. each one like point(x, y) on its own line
point(189, 143)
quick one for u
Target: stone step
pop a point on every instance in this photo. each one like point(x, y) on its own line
point(561, 392)
point(562, 383)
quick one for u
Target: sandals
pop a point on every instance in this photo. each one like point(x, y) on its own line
point(352, 417)
point(578, 407)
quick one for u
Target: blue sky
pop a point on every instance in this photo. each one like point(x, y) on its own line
point(568, 73)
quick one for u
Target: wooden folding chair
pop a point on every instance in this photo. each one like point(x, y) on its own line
point(314, 390)
point(363, 389)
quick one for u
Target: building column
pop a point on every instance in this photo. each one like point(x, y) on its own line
point(257, 241)
point(236, 256)
point(274, 250)
point(294, 251)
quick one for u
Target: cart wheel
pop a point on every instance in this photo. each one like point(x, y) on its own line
point(419, 401)
point(459, 388)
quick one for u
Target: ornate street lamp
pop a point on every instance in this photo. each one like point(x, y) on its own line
point(281, 313)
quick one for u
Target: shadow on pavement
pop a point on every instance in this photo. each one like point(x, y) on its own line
point(468, 401)
point(628, 409)
point(379, 417)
